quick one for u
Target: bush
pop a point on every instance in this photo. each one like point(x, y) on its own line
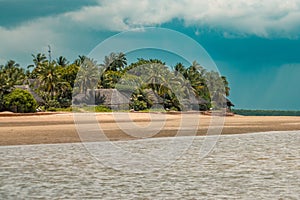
point(20, 101)
point(138, 105)
point(52, 104)
point(101, 108)
point(69, 109)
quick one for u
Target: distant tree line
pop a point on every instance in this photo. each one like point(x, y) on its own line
point(55, 81)
point(266, 112)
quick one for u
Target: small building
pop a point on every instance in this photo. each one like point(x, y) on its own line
point(229, 104)
point(111, 98)
point(120, 99)
point(38, 99)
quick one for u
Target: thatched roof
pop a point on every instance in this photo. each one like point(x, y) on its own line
point(38, 99)
point(116, 99)
point(109, 97)
point(229, 103)
point(112, 97)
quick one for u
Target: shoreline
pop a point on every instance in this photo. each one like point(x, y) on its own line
point(152, 138)
point(60, 127)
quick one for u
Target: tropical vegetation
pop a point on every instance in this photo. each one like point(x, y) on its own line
point(57, 81)
point(246, 112)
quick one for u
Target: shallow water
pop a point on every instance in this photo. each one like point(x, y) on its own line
point(260, 166)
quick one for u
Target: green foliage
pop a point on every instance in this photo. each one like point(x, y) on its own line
point(217, 89)
point(87, 76)
point(114, 62)
point(140, 101)
point(20, 101)
point(101, 108)
point(110, 78)
point(68, 109)
point(265, 112)
point(51, 104)
point(10, 75)
point(55, 82)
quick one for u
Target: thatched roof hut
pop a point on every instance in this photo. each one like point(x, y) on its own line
point(39, 100)
point(111, 98)
point(120, 99)
point(229, 104)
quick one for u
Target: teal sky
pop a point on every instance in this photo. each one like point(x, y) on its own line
point(256, 44)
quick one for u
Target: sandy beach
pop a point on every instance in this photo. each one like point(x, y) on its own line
point(61, 128)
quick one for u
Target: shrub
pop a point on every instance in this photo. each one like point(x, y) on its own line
point(101, 108)
point(20, 101)
point(138, 105)
point(52, 104)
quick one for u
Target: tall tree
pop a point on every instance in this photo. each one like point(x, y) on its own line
point(115, 62)
point(79, 61)
point(217, 89)
point(11, 74)
point(226, 85)
point(48, 78)
point(87, 77)
point(39, 60)
point(62, 61)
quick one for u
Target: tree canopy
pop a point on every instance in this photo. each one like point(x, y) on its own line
point(57, 80)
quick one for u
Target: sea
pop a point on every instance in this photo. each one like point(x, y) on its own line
point(243, 166)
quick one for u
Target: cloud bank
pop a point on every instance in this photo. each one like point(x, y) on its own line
point(262, 18)
point(232, 18)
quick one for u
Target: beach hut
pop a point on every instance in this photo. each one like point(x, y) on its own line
point(111, 98)
point(229, 104)
point(40, 101)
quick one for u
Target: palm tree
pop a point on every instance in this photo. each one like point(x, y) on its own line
point(115, 62)
point(112, 69)
point(226, 85)
point(87, 76)
point(48, 79)
point(196, 76)
point(69, 73)
point(62, 61)
point(38, 60)
point(80, 60)
point(180, 68)
point(13, 73)
point(10, 75)
point(120, 61)
point(215, 83)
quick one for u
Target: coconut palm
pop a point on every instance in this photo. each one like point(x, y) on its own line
point(12, 74)
point(115, 62)
point(48, 79)
point(38, 60)
point(79, 61)
point(62, 61)
point(216, 86)
point(226, 85)
point(87, 76)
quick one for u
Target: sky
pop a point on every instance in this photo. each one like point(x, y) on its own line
point(255, 44)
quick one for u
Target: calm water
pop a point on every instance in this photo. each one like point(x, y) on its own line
point(261, 166)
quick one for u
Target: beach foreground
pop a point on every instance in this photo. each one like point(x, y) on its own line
point(61, 128)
